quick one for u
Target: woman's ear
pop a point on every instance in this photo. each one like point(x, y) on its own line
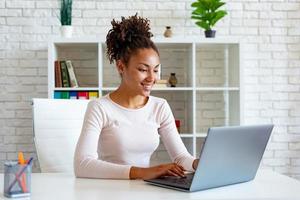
point(120, 66)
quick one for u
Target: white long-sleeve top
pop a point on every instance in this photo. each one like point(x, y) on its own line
point(115, 138)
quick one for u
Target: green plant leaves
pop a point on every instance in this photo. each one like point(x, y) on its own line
point(66, 12)
point(203, 25)
point(218, 5)
point(206, 13)
point(217, 16)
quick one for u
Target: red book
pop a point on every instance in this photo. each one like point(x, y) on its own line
point(83, 95)
point(58, 81)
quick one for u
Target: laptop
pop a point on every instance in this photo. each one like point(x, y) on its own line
point(229, 155)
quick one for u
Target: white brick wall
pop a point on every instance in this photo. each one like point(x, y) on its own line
point(269, 29)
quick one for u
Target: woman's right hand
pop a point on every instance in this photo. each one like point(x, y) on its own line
point(170, 169)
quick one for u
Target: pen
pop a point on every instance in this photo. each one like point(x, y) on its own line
point(19, 174)
point(23, 178)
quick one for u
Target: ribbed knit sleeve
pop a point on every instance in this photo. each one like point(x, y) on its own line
point(172, 140)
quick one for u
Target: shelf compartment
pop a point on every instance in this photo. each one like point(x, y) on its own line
point(216, 108)
point(176, 58)
point(84, 57)
point(217, 65)
point(181, 106)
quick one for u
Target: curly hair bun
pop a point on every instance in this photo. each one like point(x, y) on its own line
point(126, 36)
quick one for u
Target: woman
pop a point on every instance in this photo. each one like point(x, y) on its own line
point(121, 130)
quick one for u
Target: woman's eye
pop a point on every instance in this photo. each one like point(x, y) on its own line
point(155, 71)
point(142, 70)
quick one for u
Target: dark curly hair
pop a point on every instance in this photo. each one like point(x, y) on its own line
point(128, 36)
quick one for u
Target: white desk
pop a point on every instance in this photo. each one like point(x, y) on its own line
point(55, 186)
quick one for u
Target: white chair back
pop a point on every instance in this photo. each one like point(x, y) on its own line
point(57, 125)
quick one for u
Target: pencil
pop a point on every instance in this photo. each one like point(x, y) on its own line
point(19, 174)
point(23, 178)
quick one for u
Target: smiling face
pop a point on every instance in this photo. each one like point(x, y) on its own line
point(140, 73)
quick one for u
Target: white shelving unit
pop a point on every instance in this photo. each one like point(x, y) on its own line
point(209, 89)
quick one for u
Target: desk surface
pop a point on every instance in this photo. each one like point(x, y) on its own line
point(49, 186)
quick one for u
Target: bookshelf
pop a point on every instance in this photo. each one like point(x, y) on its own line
point(209, 89)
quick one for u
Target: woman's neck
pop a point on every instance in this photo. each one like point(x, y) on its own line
point(127, 99)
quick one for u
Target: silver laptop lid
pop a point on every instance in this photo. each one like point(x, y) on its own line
point(230, 155)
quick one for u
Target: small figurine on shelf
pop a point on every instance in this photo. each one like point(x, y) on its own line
point(173, 80)
point(168, 32)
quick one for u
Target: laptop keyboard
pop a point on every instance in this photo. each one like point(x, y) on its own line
point(181, 182)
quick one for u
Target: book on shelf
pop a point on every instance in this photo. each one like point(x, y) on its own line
point(72, 76)
point(161, 81)
point(73, 94)
point(58, 80)
point(57, 95)
point(64, 74)
point(65, 95)
point(93, 95)
point(83, 95)
point(161, 84)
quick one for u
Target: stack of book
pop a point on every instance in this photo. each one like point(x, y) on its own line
point(65, 74)
point(76, 95)
point(161, 84)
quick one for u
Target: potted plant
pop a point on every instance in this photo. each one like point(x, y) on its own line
point(66, 18)
point(207, 14)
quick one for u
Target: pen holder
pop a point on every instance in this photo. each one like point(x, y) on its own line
point(17, 179)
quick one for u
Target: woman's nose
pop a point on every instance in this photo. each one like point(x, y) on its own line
point(151, 76)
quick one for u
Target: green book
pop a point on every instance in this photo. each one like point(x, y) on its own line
point(65, 95)
point(64, 74)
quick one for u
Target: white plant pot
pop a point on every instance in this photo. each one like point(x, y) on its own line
point(66, 31)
